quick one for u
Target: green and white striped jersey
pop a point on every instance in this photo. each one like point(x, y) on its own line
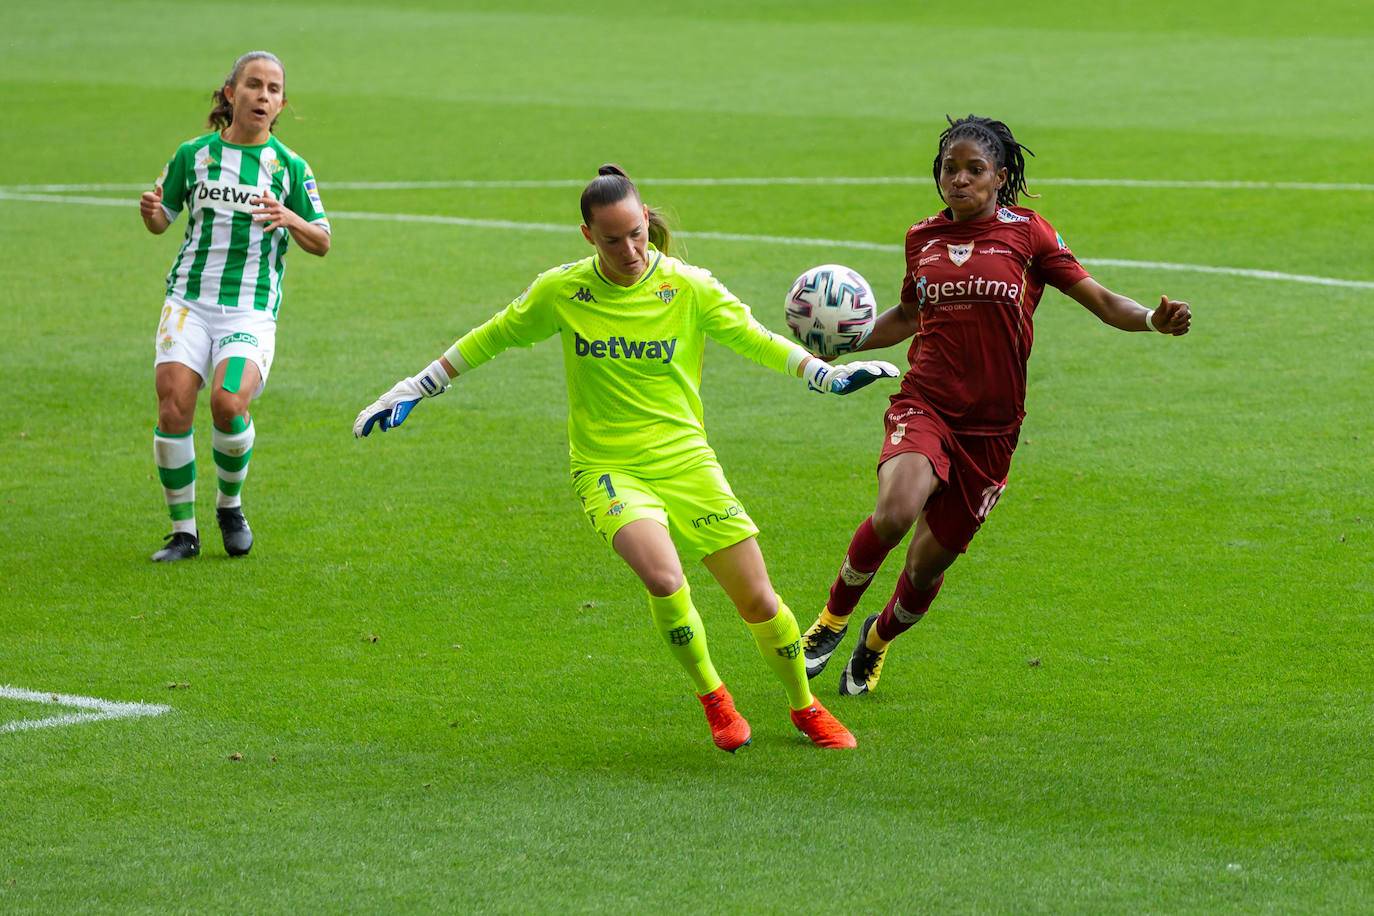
point(226, 258)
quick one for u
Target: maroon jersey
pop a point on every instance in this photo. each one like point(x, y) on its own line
point(976, 285)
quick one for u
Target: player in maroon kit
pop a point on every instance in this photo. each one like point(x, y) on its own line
point(974, 275)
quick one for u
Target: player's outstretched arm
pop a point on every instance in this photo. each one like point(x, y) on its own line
point(392, 408)
point(1171, 317)
point(846, 379)
point(892, 327)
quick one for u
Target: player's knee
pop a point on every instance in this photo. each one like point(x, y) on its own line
point(757, 606)
point(224, 407)
point(662, 582)
point(175, 417)
point(892, 519)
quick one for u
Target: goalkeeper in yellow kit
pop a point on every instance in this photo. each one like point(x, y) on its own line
point(633, 323)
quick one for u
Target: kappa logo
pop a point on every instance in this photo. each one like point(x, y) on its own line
point(960, 253)
point(666, 293)
point(583, 294)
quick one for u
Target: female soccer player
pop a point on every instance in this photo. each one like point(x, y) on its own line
point(974, 274)
point(245, 192)
point(633, 323)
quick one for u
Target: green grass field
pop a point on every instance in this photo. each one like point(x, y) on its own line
point(1146, 688)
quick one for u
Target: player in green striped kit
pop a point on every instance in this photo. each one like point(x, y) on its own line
point(633, 324)
point(245, 194)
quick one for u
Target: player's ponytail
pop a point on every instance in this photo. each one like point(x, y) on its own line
point(222, 115)
point(610, 186)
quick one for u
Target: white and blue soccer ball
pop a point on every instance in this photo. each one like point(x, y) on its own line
point(831, 310)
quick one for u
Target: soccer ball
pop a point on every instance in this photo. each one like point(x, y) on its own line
point(830, 310)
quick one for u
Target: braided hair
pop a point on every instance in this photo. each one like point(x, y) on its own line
point(222, 115)
point(996, 140)
point(610, 186)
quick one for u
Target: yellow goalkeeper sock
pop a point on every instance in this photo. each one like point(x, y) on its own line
point(677, 619)
point(779, 642)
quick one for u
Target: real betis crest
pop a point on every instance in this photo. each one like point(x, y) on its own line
point(960, 253)
point(666, 293)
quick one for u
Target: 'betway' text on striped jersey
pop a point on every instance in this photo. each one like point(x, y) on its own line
point(226, 259)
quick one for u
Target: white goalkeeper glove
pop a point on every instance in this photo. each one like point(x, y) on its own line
point(848, 378)
point(392, 408)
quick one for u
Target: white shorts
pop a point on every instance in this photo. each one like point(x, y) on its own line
point(203, 336)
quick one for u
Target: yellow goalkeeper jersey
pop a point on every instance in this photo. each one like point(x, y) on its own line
point(632, 356)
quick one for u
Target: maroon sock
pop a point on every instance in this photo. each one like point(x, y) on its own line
point(866, 553)
point(908, 605)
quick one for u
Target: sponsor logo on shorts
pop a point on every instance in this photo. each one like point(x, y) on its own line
point(239, 337)
point(734, 511)
point(622, 348)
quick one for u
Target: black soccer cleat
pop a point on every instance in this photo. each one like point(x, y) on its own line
point(181, 545)
point(238, 537)
point(818, 644)
point(860, 673)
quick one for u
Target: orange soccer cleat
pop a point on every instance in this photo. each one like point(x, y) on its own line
point(728, 728)
point(821, 727)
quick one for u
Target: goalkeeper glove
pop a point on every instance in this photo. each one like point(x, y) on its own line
point(848, 378)
point(392, 408)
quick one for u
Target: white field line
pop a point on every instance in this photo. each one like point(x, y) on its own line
point(65, 198)
point(751, 182)
point(99, 709)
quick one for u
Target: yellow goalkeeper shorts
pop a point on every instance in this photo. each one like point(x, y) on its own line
point(696, 506)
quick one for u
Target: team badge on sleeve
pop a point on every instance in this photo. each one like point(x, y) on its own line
point(313, 192)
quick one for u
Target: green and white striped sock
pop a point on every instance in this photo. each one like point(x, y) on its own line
point(232, 450)
point(176, 468)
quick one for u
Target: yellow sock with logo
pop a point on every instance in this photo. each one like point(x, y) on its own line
point(677, 619)
point(779, 643)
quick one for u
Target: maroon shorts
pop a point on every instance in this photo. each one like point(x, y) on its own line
point(972, 469)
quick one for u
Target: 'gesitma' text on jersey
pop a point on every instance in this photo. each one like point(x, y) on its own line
point(632, 356)
point(975, 285)
point(226, 258)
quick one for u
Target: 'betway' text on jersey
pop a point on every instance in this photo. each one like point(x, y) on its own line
point(226, 259)
point(621, 348)
point(632, 357)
